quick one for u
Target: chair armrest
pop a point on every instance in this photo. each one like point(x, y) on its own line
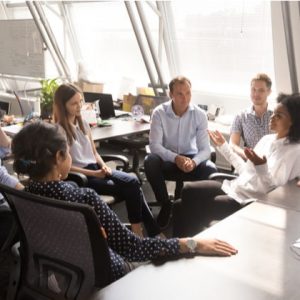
point(6, 158)
point(12, 233)
point(78, 178)
point(147, 149)
point(221, 176)
point(213, 155)
point(120, 158)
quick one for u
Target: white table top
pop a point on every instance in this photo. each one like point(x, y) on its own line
point(264, 269)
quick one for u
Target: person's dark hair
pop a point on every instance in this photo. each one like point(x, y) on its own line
point(178, 79)
point(34, 148)
point(62, 95)
point(292, 104)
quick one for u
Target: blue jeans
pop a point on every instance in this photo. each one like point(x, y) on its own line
point(157, 171)
point(125, 187)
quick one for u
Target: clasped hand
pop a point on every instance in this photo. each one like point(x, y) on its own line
point(103, 172)
point(184, 163)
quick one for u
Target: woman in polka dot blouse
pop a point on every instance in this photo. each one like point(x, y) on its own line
point(40, 150)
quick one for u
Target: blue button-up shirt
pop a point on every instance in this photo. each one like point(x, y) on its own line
point(7, 179)
point(171, 135)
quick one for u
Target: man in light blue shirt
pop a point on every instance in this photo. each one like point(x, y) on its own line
point(179, 144)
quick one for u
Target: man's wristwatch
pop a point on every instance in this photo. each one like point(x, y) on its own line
point(192, 245)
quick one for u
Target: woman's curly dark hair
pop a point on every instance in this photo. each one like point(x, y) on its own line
point(34, 148)
point(292, 104)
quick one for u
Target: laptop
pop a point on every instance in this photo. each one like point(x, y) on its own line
point(106, 108)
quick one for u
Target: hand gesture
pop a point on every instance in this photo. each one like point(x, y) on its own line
point(215, 247)
point(217, 137)
point(184, 163)
point(107, 170)
point(189, 165)
point(100, 173)
point(251, 155)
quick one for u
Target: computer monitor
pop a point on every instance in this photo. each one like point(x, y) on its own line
point(4, 108)
point(91, 97)
point(106, 106)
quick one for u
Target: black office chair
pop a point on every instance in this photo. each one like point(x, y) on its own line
point(122, 164)
point(8, 236)
point(179, 183)
point(63, 253)
point(136, 143)
point(219, 176)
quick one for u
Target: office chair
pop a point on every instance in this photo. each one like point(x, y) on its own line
point(11, 233)
point(179, 183)
point(122, 164)
point(8, 236)
point(219, 176)
point(136, 143)
point(62, 251)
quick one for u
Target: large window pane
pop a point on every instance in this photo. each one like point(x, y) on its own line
point(223, 44)
point(108, 44)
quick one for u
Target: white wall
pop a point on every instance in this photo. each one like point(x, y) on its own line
point(230, 104)
point(282, 75)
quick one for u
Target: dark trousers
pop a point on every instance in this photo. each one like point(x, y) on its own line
point(201, 203)
point(125, 187)
point(157, 171)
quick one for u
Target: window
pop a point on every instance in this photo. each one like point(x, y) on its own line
point(223, 44)
point(109, 48)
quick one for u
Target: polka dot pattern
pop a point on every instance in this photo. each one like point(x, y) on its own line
point(124, 245)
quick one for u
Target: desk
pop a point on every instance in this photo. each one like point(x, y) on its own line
point(287, 196)
point(264, 269)
point(119, 127)
point(124, 127)
point(12, 130)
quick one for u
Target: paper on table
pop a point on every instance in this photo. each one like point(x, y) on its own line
point(12, 130)
point(295, 247)
point(297, 244)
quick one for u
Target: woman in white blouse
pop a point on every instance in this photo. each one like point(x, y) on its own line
point(86, 160)
point(273, 162)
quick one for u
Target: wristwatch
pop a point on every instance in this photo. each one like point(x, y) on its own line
point(192, 245)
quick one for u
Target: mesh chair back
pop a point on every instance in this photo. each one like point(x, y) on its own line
point(63, 253)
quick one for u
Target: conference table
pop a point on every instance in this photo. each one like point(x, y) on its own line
point(266, 267)
point(286, 196)
point(127, 128)
point(119, 127)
